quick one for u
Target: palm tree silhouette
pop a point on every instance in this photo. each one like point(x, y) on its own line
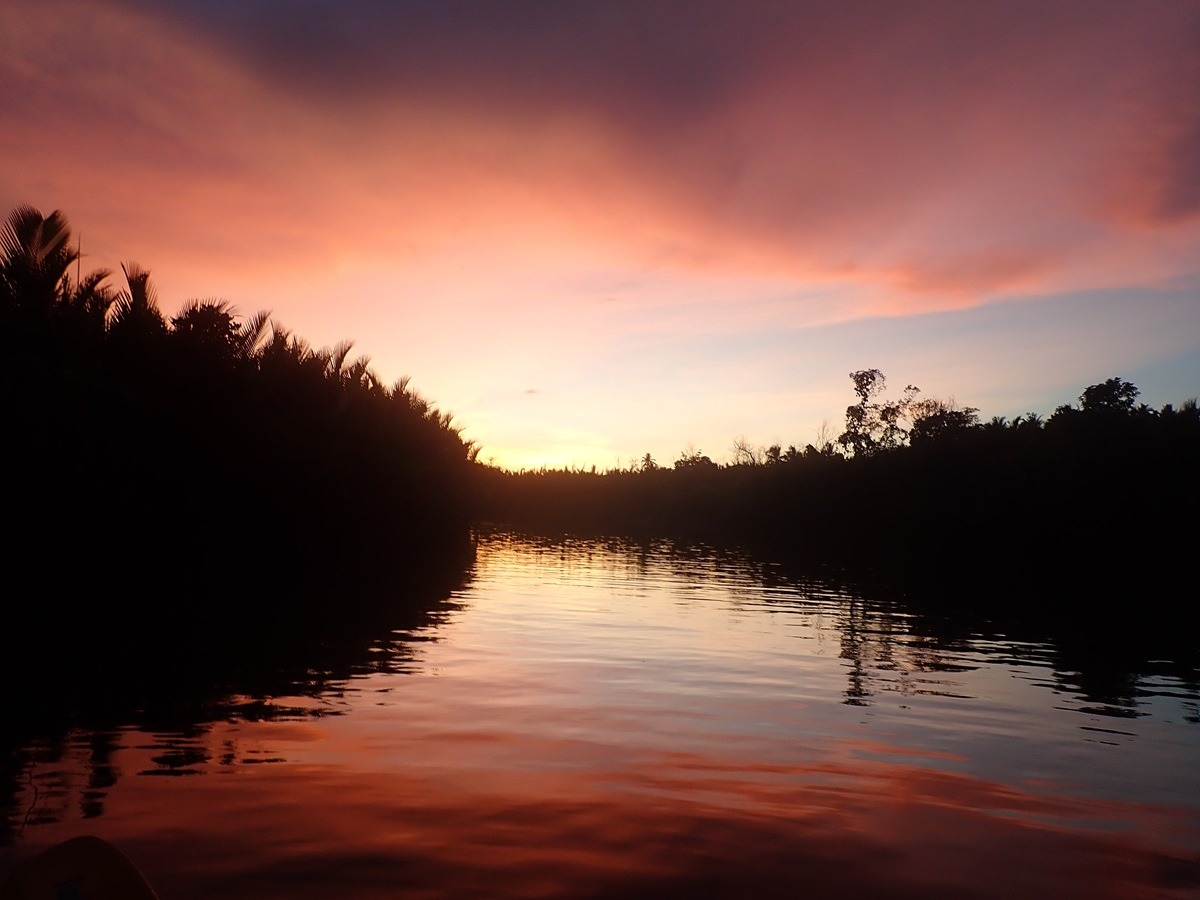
point(35, 254)
point(210, 328)
point(135, 314)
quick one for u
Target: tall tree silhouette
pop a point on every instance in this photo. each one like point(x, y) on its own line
point(136, 317)
point(35, 254)
point(873, 424)
point(1114, 395)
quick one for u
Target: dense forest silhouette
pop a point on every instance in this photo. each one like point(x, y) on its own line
point(209, 455)
point(921, 490)
point(203, 456)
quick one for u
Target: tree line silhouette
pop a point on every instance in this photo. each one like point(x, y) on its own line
point(202, 455)
point(205, 452)
point(920, 490)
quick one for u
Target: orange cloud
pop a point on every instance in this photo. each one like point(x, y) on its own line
point(967, 153)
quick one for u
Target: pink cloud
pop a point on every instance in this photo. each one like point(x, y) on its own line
point(952, 153)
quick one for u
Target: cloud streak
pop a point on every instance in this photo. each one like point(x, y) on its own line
point(1009, 142)
point(936, 148)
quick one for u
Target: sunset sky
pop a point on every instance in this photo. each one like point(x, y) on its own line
point(593, 230)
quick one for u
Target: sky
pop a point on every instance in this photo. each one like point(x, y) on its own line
point(596, 230)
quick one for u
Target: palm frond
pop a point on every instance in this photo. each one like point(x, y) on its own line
point(137, 305)
point(253, 333)
point(141, 293)
point(92, 296)
point(28, 235)
point(35, 256)
point(336, 360)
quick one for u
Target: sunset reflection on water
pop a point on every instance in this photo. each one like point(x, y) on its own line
point(614, 720)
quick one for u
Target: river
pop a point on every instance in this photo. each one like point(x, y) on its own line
point(594, 718)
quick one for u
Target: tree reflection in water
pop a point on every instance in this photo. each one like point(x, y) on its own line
point(600, 717)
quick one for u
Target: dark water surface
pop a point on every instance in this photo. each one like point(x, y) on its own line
point(606, 719)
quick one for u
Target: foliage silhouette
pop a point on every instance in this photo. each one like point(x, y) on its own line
point(35, 254)
point(207, 456)
point(170, 457)
point(874, 425)
point(1113, 395)
point(919, 491)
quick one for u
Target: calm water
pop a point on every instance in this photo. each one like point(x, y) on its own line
point(605, 719)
